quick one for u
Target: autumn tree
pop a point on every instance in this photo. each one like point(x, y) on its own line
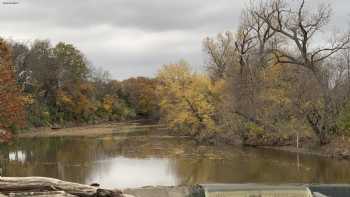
point(12, 115)
point(297, 28)
point(54, 77)
point(277, 39)
point(65, 88)
point(186, 100)
point(140, 92)
point(71, 73)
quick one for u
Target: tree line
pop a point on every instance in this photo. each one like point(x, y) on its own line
point(278, 76)
point(283, 72)
point(60, 87)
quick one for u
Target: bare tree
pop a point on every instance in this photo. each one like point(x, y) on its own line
point(299, 28)
point(280, 32)
point(239, 60)
point(221, 53)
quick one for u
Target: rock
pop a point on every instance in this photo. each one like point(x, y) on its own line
point(56, 126)
point(95, 184)
point(108, 193)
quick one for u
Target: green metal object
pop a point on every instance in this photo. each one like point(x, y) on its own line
point(254, 190)
point(331, 190)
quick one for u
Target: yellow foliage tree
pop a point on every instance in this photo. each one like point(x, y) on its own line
point(186, 100)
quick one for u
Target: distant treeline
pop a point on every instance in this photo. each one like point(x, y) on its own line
point(268, 82)
point(60, 87)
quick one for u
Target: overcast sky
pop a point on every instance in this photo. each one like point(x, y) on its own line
point(131, 37)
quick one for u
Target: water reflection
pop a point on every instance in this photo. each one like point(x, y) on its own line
point(124, 172)
point(134, 161)
point(17, 156)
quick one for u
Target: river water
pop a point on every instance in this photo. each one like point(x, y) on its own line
point(126, 161)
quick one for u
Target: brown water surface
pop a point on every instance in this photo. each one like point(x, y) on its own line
point(121, 161)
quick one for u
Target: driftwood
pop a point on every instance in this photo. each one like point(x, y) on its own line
point(35, 185)
point(41, 194)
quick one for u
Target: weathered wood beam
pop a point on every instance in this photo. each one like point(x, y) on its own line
point(42, 184)
point(41, 194)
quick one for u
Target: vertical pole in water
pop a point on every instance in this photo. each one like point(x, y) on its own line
point(298, 142)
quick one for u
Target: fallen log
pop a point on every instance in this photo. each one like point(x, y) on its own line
point(42, 184)
point(41, 194)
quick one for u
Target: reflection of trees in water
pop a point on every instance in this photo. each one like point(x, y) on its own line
point(262, 166)
point(75, 158)
point(53, 157)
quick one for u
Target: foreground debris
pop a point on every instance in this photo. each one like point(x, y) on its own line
point(49, 187)
point(42, 186)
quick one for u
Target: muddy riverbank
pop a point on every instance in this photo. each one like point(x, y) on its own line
point(94, 130)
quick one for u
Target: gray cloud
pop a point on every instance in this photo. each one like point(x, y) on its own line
point(153, 15)
point(130, 37)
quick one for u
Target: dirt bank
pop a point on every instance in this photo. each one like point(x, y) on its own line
point(89, 131)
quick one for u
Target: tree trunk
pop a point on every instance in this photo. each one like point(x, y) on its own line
point(41, 184)
point(323, 120)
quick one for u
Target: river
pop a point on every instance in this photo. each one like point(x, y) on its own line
point(126, 161)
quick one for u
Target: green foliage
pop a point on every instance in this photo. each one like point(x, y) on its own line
point(343, 121)
point(254, 129)
point(38, 115)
